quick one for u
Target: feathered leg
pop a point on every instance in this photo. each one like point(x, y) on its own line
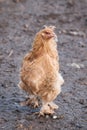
point(31, 100)
point(48, 106)
point(45, 109)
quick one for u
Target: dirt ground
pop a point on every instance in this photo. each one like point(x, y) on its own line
point(19, 22)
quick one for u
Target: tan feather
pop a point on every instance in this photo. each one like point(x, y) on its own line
point(40, 69)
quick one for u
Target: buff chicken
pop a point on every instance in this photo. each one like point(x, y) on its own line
point(39, 74)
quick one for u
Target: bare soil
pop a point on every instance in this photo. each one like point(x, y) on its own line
point(19, 22)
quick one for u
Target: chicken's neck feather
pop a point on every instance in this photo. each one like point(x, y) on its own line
point(41, 47)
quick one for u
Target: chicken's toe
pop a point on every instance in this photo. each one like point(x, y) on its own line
point(30, 102)
point(46, 110)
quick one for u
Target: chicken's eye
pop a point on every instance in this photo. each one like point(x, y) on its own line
point(47, 32)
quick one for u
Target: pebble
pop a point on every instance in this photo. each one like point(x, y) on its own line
point(26, 25)
point(82, 101)
point(75, 65)
point(78, 126)
point(55, 117)
point(47, 116)
point(82, 44)
point(74, 33)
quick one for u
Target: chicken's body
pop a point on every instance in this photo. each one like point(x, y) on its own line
point(40, 75)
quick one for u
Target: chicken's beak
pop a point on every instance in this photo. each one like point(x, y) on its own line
point(52, 35)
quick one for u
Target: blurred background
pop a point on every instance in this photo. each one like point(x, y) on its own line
point(20, 20)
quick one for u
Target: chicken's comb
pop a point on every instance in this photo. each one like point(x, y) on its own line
point(52, 27)
point(44, 26)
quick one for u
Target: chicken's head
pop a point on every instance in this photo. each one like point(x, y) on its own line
point(48, 33)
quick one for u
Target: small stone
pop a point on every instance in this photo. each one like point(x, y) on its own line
point(78, 126)
point(47, 116)
point(11, 53)
point(2, 97)
point(75, 65)
point(61, 117)
point(82, 44)
point(81, 101)
point(55, 117)
point(70, 3)
point(26, 25)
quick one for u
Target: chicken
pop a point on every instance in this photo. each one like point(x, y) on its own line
point(39, 74)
